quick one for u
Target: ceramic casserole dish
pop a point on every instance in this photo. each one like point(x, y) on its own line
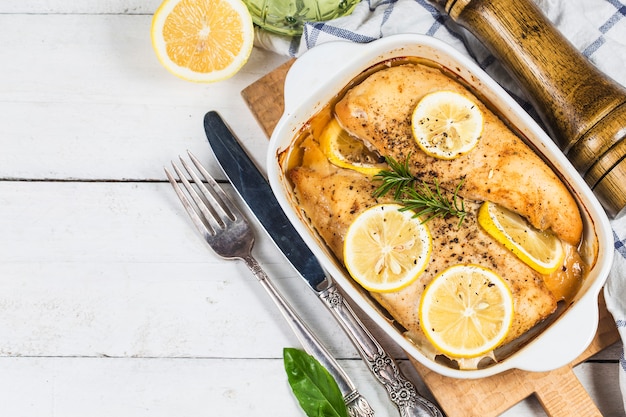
point(320, 74)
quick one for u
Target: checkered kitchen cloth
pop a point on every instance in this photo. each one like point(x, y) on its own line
point(596, 27)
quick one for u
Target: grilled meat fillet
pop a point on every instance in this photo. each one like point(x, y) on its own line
point(501, 168)
point(332, 198)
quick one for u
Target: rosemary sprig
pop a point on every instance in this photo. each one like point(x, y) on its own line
point(398, 179)
point(424, 199)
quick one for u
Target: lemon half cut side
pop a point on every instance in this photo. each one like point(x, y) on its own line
point(446, 124)
point(466, 311)
point(202, 40)
point(386, 249)
point(541, 250)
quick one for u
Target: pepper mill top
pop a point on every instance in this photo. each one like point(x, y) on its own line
point(583, 109)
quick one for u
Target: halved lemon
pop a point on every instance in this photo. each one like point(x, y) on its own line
point(466, 311)
point(446, 124)
point(386, 249)
point(202, 40)
point(345, 151)
point(541, 250)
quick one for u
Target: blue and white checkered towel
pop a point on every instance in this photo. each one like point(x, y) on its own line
point(596, 27)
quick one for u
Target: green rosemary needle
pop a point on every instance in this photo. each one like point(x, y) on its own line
point(422, 198)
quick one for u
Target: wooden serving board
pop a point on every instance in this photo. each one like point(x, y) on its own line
point(559, 391)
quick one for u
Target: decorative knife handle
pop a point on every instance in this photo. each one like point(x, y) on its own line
point(401, 391)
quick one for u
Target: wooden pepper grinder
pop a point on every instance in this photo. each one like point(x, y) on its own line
point(583, 109)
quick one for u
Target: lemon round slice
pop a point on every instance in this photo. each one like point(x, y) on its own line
point(345, 151)
point(386, 249)
point(541, 250)
point(466, 311)
point(202, 40)
point(446, 124)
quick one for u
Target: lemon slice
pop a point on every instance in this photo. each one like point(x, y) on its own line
point(466, 311)
point(345, 151)
point(386, 249)
point(541, 250)
point(202, 40)
point(446, 124)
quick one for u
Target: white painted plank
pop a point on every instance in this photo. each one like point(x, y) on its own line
point(50, 387)
point(87, 98)
point(123, 270)
point(79, 7)
point(601, 381)
point(126, 274)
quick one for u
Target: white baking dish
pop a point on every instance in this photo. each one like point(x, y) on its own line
point(324, 71)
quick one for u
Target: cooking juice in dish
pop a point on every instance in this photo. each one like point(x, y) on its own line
point(490, 182)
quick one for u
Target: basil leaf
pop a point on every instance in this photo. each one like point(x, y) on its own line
point(316, 390)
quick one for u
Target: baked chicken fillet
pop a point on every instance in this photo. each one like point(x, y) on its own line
point(501, 168)
point(333, 197)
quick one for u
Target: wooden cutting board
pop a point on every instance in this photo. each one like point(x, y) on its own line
point(559, 391)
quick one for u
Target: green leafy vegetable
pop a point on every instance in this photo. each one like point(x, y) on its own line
point(316, 390)
point(424, 199)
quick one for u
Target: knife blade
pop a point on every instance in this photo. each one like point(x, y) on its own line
point(255, 190)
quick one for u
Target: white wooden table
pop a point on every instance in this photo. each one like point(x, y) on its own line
point(110, 303)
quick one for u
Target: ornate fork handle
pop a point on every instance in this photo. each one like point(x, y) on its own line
point(401, 391)
point(357, 405)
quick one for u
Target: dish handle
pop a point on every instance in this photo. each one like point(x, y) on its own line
point(319, 66)
point(582, 317)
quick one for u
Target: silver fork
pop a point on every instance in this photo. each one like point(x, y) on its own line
point(228, 233)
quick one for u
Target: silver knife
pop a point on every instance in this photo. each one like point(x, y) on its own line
point(254, 189)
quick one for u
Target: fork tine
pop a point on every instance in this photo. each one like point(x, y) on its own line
point(213, 196)
point(203, 205)
point(228, 205)
point(195, 218)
